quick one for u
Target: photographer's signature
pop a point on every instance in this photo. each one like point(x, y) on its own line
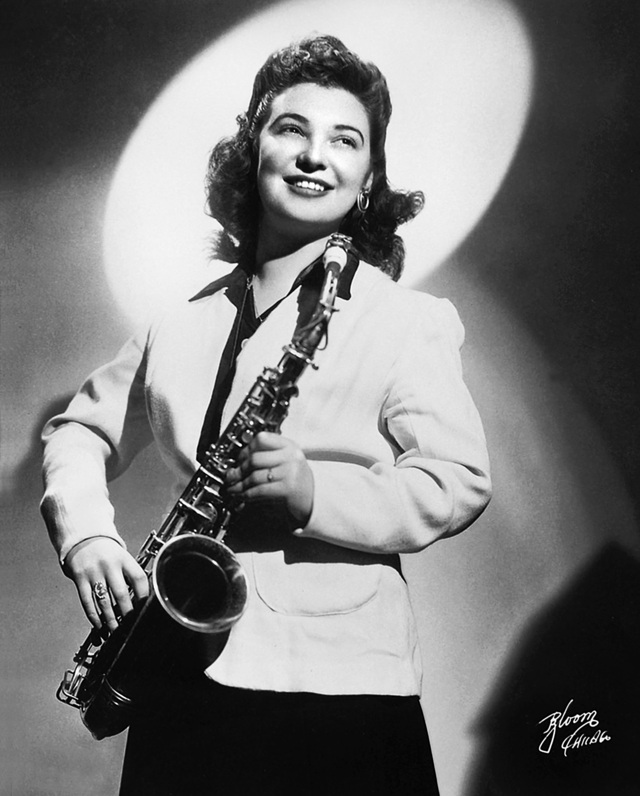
point(581, 729)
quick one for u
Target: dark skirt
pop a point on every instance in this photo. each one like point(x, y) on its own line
point(213, 740)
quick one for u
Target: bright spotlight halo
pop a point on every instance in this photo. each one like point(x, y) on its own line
point(460, 79)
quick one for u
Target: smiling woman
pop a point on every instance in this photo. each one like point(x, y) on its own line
point(382, 453)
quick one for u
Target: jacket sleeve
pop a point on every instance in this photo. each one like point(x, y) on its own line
point(92, 442)
point(439, 483)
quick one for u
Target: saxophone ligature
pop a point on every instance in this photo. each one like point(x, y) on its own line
point(197, 585)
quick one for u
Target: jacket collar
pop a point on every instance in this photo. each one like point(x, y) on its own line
point(234, 282)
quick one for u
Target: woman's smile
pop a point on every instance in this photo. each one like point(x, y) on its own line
point(308, 186)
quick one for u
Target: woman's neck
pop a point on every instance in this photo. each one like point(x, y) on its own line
point(274, 276)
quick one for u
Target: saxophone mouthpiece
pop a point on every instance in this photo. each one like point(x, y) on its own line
point(336, 251)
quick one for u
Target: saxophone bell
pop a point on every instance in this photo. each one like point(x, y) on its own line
point(200, 583)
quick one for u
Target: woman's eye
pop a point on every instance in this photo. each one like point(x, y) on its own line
point(346, 141)
point(291, 129)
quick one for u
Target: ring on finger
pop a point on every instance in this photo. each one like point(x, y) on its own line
point(100, 591)
point(270, 476)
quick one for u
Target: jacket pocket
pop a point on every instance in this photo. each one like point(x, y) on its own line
point(335, 582)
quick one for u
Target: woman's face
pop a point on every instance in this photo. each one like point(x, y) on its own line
point(314, 157)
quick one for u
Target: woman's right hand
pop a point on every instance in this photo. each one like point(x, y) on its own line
point(105, 574)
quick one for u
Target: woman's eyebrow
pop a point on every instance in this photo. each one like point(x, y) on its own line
point(298, 117)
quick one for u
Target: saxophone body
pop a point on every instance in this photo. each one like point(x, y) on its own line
point(198, 589)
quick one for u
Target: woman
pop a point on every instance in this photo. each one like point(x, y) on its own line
point(317, 689)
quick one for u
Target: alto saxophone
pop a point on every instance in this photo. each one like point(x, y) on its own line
point(197, 585)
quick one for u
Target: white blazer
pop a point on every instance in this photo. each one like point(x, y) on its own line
point(394, 442)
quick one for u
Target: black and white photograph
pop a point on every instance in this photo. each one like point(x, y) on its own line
point(320, 415)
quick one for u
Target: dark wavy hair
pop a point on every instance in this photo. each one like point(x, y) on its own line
point(232, 191)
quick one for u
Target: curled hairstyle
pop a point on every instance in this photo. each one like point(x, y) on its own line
point(232, 191)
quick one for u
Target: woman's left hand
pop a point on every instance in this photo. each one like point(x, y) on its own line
point(273, 467)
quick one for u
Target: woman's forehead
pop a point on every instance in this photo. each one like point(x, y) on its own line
point(327, 104)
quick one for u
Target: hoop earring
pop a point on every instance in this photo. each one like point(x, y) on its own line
point(362, 201)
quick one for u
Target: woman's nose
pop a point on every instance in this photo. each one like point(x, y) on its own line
point(312, 157)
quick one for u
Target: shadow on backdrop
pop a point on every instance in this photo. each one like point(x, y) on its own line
point(580, 655)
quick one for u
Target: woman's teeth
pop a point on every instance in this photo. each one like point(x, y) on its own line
point(313, 186)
